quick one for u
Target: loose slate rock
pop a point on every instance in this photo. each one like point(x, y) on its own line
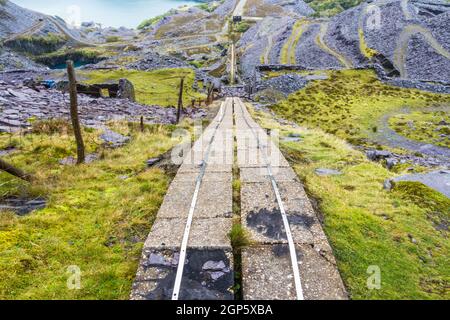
point(113, 139)
point(327, 172)
point(151, 162)
point(437, 180)
point(71, 161)
point(22, 206)
point(376, 155)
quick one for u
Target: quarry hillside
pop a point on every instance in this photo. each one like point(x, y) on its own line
point(333, 116)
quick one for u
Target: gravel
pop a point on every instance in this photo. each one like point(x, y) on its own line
point(154, 60)
point(310, 55)
point(286, 84)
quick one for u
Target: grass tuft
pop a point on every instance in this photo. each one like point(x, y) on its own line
point(239, 237)
point(159, 87)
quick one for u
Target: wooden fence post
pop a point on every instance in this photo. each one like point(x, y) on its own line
point(74, 112)
point(180, 100)
point(142, 124)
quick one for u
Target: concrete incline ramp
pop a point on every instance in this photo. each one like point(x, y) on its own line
point(203, 184)
point(268, 265)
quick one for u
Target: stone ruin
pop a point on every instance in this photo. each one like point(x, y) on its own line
point(124, 89)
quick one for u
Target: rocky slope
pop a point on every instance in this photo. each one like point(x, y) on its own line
point(19, 22)
point(411, 35)
point(405, 41)
point(15, 19)
point(19, 104)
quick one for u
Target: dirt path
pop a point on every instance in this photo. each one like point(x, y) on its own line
point(288, 55)
point(33, 29)
point(239, 10)
point(322, 44)
point(39, 25)
point(387, 136)
point(189, 255)
point(66, 31)
point(405, 9)
point(266, 55)
point(401, 51)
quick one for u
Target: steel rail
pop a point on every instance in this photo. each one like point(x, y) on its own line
point(183, 249)
point(292, 250)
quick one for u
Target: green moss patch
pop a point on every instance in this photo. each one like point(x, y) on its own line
point(327, 8)
point(350, 103)
point(85, 55)
point(32, 44)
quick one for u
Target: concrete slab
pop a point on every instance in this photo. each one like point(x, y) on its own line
point(205, 233)
point(214, 198)
point(257, 158)
point(195, 168)
point(261, 215)
point(261, 174)
point(267, 273)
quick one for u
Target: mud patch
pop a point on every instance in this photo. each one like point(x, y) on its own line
point(270, 222)
point(208, 275)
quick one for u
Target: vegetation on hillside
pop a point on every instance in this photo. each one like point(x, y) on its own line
point(159, 87)
point(89, 55)
point(152, 21)
point(401, 231)
point(210, 6)
point(50, 39)
point(327, 8)
point(350, 103)
point(32, 44)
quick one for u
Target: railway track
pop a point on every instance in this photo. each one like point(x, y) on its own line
point(188, 254)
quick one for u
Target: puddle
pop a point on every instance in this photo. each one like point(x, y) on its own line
point(270, 223)
point(22, 206)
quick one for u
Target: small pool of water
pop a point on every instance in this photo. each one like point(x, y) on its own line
point(77, 64)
